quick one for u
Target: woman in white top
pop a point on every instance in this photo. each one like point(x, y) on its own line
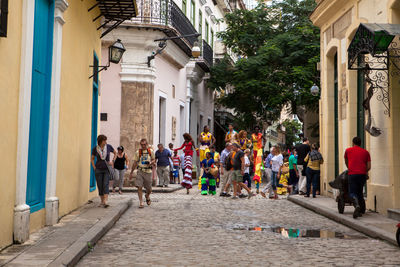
point(276, 163)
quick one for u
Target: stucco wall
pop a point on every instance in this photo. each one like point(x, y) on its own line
point(111, 91)
point(167, 76)
point(80, 40)
point(10, 49)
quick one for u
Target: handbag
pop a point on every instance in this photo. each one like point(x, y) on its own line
point(110, 171)
point(303, 171)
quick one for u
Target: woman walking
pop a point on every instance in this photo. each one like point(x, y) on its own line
point(101, 168)
point(121, 164)
point(276, 163)
point(314, 159)
point(188, 147)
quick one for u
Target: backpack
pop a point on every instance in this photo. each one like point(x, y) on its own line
point(228, 162)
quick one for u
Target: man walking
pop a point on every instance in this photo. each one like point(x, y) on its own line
point(302, 151)
point(238, 171)
point(268, 175)
point(358, 162)
point(144, 159)
point(225, 173)
point(162, 157)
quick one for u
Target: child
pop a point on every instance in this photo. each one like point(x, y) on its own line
point(206, 165)
point(176, 161)
point(284, 177)
point(246, 176)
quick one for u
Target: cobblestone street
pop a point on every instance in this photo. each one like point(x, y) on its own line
point(195, 230)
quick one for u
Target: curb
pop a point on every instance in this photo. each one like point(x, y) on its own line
point(79, 248)
point(357, 225)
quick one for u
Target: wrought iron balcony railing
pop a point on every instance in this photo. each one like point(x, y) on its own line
point(168, 17)
point(207, 53)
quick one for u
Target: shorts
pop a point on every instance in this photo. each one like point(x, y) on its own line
point(237, 176)
point(144, 179)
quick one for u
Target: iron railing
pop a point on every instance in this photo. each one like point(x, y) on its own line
point(208, 53)
point(166, 15)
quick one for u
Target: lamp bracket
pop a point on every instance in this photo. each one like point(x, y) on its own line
point(101, 68)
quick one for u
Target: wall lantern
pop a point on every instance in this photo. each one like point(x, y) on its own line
point(163, 44)
point(314, 90)
point(115, 52)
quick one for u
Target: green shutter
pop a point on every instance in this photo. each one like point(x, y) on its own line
point(207, 28)
point(184, 6)
point(201, 23)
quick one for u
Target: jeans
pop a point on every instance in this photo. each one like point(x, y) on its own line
point(274, 180)
point(312, 178)
point(102, 180)
point(356, 186)
point(119, 178)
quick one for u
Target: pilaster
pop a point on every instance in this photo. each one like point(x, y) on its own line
point(51, 179)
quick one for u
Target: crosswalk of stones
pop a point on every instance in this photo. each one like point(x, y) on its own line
point(195, 230)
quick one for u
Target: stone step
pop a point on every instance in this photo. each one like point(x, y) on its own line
point(394, 214)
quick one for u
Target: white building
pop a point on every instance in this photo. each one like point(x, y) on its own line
point(163, 97)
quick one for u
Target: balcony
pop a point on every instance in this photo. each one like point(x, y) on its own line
point(167, 17)
point(207, 56)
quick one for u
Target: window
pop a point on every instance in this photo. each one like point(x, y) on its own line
point(193, 12)
point(103, 116)
point(212, 39)
point(206, 36)
point(201, 23)
point(184, 6)
point(3, 17)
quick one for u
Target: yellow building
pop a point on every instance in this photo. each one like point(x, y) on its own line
point(359, 44)
point(48, 108)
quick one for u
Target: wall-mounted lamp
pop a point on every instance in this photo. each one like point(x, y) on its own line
point(163, 44)
point(314, 90)
point(115, 52)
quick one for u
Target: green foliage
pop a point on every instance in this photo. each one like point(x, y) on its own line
point(279, 49)
point(293, 128)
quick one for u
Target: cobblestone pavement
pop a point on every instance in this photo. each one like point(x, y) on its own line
point(195, 230)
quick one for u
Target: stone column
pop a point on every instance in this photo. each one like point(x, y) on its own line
point(51, 179)
point(21, 209)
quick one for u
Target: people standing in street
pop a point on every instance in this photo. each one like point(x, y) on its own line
point(358, 162)
point(293, 173)
point(238, 171)
point(268, 174)
point(276, 163)
point(216, 156)
point(176, 161)
point(206, 139)
point(257, 140)
point(241, 139)
point(144, 159)
point(162, 158)
point(313, 171)
point(302, 151)
point(188, 146)
point(208, 182)
point(225, 171)
point(246, 176)
point(102, 167)
point(121, 164)
point(230, 135)
point(171, 164)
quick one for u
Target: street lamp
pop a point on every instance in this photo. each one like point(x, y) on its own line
point(314, 90)
point(163, 44)
point(115, 52)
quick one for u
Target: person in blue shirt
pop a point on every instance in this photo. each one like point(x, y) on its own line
point(206, 165)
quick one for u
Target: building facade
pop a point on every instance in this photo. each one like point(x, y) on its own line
point(159, 91)
point(49, 106)
point(358, 47)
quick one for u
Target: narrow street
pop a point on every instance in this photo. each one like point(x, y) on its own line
point(196, 230)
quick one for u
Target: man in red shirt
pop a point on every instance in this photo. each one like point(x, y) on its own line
point(358, 162)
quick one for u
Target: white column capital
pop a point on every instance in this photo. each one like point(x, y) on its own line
point(62, 5)
point(131, 72)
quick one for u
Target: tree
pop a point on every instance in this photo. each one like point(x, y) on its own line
point(292, 130)
point(279, 49)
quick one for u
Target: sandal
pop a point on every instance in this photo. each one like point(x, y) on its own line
point(148, 201)
point(106, 206)
point(141, 206)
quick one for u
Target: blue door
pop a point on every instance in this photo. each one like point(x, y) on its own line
point(95, 99)
point(40, 104)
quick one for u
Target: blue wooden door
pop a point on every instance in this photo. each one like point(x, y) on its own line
point(95, 100)
point(40, 104)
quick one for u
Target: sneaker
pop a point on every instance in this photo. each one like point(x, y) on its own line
point(235, 197)
point(242, 196)
point(228, 195)
point(223, 194)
